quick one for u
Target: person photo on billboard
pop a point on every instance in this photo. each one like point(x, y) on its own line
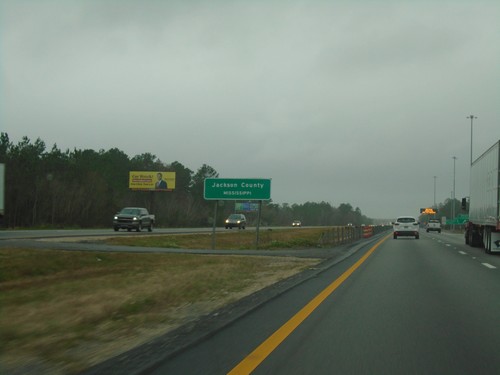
point(160, 183)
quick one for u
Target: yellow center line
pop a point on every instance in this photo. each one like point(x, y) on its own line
point(254, 359)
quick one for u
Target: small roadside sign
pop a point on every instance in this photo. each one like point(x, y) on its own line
point(246, 206)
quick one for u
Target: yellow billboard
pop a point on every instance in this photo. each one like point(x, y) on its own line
point(151, 180)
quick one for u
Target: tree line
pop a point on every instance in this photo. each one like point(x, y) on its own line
point(85, 188)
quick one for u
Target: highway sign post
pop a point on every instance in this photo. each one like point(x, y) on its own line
point(247, 189)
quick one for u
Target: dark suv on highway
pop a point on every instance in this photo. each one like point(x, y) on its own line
point(236, 220)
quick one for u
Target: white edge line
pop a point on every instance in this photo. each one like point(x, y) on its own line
point(488, 265)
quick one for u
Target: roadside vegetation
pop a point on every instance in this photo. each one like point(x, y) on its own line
point(233, 239)
point(63, 311)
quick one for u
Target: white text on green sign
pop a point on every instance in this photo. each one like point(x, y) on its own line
point(232, 189)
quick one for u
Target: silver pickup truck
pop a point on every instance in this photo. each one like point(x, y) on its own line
point(433, 225)
point(133, 218)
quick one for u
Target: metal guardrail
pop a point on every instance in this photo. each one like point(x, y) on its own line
point(342, 235)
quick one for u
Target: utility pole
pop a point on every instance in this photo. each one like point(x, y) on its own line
point(453, 197)
point(472, 117)
point(435, 192)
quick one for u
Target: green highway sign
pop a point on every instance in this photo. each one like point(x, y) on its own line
point(459, 220)
point(237, 189)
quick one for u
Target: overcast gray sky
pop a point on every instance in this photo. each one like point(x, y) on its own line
point(358, 102)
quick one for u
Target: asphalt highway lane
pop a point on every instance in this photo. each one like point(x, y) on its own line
point(428, 306)
point(68, 233)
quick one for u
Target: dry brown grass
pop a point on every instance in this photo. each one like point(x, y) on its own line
point(64, 311)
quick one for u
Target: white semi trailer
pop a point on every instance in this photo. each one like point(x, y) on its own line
point(483, 228)
point(2, 192)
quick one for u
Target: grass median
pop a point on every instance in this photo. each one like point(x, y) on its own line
point(63, 311)
point(232, 239)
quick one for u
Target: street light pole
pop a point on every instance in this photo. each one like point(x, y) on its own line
point(435, 192)
point(453, 197)
point(472, 117)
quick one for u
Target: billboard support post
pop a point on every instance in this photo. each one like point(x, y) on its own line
point(151, 201)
